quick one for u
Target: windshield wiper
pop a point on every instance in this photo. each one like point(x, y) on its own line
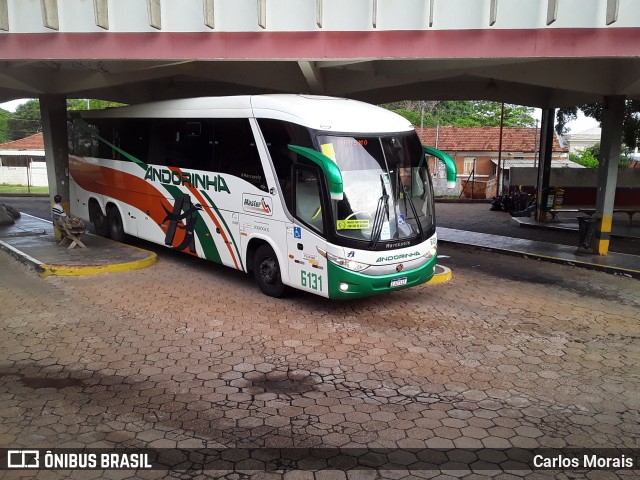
point(405, 190)
point(378, 219)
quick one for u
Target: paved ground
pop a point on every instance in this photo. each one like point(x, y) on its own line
point(186, 354)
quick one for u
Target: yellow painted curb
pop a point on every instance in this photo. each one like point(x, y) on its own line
point(441, 275)
point(65, 270)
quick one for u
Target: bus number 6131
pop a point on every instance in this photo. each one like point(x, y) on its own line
point(311, 280)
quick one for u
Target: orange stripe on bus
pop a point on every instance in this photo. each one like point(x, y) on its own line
point(125, 187)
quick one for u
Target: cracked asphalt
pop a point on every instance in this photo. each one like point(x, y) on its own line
point(186, 354)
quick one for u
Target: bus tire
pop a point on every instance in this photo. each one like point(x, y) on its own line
point(100, 222)
point(114, 221)
point(266, 271)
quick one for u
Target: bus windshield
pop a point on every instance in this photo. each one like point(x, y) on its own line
point(387, 188)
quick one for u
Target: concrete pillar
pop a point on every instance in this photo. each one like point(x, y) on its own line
point(544, 164)
point(53, 110)
point(610, 141)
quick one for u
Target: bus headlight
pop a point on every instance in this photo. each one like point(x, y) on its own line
point(346, 263)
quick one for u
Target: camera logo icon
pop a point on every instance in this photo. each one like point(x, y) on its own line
point(23, 459)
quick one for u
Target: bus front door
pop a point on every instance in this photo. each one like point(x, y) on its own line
point(307, 268)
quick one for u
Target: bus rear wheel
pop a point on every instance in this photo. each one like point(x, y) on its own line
point(266, 271)
point(100, 222)
point(114, 221)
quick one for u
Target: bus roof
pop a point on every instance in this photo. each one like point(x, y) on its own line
point(317, 112)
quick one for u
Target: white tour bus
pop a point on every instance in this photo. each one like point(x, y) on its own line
point(328, 195)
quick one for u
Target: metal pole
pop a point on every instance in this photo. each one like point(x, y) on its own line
point(498, 184)
point(535, 150)
point(435, 166)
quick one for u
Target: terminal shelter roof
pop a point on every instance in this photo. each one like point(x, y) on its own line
point(485, 139)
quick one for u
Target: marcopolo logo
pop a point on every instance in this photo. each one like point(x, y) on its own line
point(256, 204)
point(400, 256)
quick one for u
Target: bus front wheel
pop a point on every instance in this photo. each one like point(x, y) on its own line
point(116, 230)
point(266, 271)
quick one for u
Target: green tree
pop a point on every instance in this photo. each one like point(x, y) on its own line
point(590, 157)
point(464, 113)
point(90, 104)
point(25, 120)
point(4, 127)
point(630, 123)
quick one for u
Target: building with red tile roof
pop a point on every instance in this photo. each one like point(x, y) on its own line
point(30, 143)
point(475, 150)
point(22, 161)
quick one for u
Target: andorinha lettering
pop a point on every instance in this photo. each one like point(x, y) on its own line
point(400, 256)
point(196, 180)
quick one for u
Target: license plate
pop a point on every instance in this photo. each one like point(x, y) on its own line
point(398, 281)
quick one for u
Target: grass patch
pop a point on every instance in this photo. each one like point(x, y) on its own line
point(4, 188)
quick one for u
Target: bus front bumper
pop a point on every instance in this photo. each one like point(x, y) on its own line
point(357, 285)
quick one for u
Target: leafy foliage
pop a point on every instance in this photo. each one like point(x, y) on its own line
point(4, 127)
point(590, 157)
point(463, 113)
point(26, 119)
point(630, 124)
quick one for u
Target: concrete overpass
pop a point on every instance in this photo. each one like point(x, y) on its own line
point(542, 53)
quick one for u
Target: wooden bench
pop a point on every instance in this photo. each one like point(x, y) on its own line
point(631, 211)
point(71, 230)
point(555, 211)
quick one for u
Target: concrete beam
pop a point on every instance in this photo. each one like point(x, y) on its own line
point(155, 14)
point(612, 11)
point(209, 13)
point(101, 12)
point(319, 13)
point(50, 14)
point(610, 143)
point(374, 14)
point(552, 11)
point(4, 15)
point(53, 110)
point(493, 12)
point(313, 77)
point(431, 3)
point(262, 13)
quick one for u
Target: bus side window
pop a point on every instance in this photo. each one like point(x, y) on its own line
point(132, 137)
point(235, 151)
point(182, 143)
point(308, 199)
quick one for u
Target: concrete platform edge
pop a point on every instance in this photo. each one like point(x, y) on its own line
point(22, 257)
point(65, 270)
point(441, 274)
point(46, 270)
point(574, 263)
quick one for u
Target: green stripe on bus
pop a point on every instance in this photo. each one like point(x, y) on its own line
point(207, 242)
point(93, 133)
point(213, 205)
